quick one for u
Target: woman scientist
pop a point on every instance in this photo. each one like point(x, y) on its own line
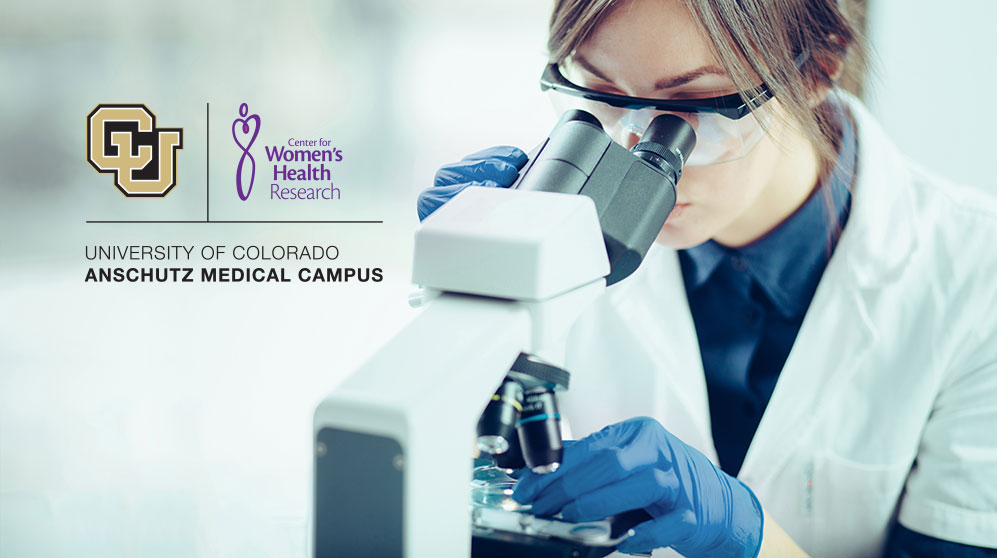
point(815, 330)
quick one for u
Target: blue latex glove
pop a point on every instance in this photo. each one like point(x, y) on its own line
point(698, 509)
point(494, 167)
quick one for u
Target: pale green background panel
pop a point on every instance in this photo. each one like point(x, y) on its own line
point(174, 420)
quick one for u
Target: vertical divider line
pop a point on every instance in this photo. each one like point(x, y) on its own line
point(207, 162)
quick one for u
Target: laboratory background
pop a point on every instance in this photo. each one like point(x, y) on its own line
point(175, 420)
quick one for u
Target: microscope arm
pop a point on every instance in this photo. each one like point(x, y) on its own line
point(424, 391)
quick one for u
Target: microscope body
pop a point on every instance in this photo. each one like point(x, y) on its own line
point(507, 271)
point(393, 442)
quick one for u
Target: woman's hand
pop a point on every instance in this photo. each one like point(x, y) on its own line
point(496, 167)
point(698, 509)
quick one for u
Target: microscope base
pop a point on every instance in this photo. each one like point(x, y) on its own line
point(499, 544)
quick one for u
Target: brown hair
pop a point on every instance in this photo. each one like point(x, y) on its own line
point(759, 38)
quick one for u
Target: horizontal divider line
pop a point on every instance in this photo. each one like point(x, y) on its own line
point(345, 222)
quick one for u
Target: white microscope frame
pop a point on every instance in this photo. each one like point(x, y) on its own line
point(508, 271)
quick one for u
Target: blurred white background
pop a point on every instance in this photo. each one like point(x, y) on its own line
point(933, 81)
point(174, 420)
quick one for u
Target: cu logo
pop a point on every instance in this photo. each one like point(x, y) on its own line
point(123, 140)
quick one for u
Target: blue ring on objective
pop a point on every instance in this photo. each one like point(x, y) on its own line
point(544, 416)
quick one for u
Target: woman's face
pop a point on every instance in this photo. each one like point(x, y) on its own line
point(639, 47)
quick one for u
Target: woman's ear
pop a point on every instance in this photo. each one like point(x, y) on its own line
point(823, 87)
point(831, 66)
point(833, 62)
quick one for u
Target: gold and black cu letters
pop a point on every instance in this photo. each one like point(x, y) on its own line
point(123, 140)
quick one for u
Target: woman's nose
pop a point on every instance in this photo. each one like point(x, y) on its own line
point(626, 138)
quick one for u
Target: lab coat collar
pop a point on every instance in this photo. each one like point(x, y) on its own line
point(878, 241)
point(880, 236)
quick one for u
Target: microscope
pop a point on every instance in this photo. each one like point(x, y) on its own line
point(505, 273)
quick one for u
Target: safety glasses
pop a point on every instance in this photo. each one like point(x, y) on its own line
point(727, 127)
point(730, 106)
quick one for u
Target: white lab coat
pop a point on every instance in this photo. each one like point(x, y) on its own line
point(887, 404)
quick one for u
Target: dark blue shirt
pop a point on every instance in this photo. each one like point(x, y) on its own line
point(748, 303)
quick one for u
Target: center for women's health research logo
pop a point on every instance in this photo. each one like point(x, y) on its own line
point(123, 140)
point(300, 170)
point(241, 127)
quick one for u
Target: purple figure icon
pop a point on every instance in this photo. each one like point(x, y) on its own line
point(242, 125)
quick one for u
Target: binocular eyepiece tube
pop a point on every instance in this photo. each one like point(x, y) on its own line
point(633, 190)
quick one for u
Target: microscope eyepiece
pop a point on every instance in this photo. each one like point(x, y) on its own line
point(666, 144)
point(580, 115)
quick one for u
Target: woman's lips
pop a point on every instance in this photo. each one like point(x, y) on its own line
point(678, 210)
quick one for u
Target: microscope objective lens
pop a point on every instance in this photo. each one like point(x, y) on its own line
point(497, 425)
point(539, 429)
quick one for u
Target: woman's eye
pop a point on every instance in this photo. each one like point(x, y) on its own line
point(701, 94)
point(691, 95)
point(604, 88)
